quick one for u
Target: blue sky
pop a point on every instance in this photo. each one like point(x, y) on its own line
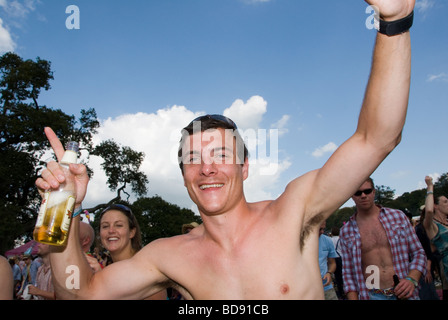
point(297, 66)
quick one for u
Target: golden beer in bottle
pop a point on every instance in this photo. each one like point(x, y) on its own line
point(56, 210)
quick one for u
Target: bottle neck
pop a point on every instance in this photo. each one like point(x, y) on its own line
point(69, 157)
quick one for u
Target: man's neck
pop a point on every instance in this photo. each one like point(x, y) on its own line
point(368, 213)
point(228, 228)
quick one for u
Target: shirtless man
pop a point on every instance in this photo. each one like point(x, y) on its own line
point(263, 250)
point(378, 243)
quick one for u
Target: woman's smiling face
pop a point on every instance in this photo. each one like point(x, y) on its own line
point(115, 232)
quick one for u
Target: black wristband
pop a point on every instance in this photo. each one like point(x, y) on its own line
point(392, 28)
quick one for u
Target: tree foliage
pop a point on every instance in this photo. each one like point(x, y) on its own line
point(23, 143)
point(161, 219)
point(121, 165)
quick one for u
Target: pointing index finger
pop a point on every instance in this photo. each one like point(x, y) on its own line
point(55, 143)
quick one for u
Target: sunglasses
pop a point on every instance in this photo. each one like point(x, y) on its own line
point(216, 117)
point(119, 207)
point(365, 191)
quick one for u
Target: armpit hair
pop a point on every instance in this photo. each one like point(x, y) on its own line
point(308, 227)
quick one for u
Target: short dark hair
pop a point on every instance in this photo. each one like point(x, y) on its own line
point(209, 122)
point(437, 197)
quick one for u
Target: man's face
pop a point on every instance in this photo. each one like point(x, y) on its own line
point(212, 174)
point(364, 198)
point(443, 205)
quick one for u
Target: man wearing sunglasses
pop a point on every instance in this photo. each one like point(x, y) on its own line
point(378, 243)
point(263, 250)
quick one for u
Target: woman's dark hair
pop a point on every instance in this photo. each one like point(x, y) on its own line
point(136, 241)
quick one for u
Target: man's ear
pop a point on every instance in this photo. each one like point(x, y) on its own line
point(246, 169)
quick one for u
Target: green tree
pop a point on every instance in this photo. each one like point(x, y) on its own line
point(339, 217)
point(23, 144)
point(122, 168)
point(384, 195)
point(161, 219)
point(441, 185)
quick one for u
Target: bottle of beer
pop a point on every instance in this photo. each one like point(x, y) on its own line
point(56, 210)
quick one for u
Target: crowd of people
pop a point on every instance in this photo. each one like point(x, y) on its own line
point(385, 257)
point(273, 249)
point(29, 276)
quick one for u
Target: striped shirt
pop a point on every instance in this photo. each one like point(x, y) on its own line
point(407, 251)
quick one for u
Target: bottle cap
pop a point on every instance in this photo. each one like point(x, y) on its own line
point(72, 145)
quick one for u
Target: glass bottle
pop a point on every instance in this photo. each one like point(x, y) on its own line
point(56, 210)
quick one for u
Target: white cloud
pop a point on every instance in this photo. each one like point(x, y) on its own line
point(158, 134)
point(18, 9)
point(437, 77)
point(6, 42)
point(155, 134)
point(435, 177)
point(247, 115)
point(280, 125)
point(424, 5)
point(329, 147)
point(15, 13)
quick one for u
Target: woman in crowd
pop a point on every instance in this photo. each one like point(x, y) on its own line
point(120, 235)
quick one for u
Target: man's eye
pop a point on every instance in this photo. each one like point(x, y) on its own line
point(193, 160)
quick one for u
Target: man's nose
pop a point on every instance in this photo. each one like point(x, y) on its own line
point(208, 168)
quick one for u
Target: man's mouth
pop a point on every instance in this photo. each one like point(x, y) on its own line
point(208, 186)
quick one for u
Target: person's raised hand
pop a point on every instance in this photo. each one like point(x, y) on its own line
point(52, 176)
point(391, 10)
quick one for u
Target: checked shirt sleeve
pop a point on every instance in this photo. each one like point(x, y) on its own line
point(349, 269)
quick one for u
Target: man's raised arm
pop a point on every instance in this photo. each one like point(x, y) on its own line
point(73, 278)
point(381, 119)
point(69, 266)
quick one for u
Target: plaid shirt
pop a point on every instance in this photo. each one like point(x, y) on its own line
point(407, 251)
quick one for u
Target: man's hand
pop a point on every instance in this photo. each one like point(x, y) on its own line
point(327, 279)
point(428, 181)
point(53, 176)
point(391, 10)
point(404, 289)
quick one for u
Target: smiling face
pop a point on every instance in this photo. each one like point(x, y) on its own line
point(115, 232)
point(213, 174)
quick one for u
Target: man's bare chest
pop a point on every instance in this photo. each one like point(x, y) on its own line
point(373, 236)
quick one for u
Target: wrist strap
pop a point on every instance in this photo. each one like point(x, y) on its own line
point(77, 212)
point(414, 282)
point(392, 28)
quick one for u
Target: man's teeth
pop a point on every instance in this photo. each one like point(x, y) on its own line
point(207, 186)
point(112, 239)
